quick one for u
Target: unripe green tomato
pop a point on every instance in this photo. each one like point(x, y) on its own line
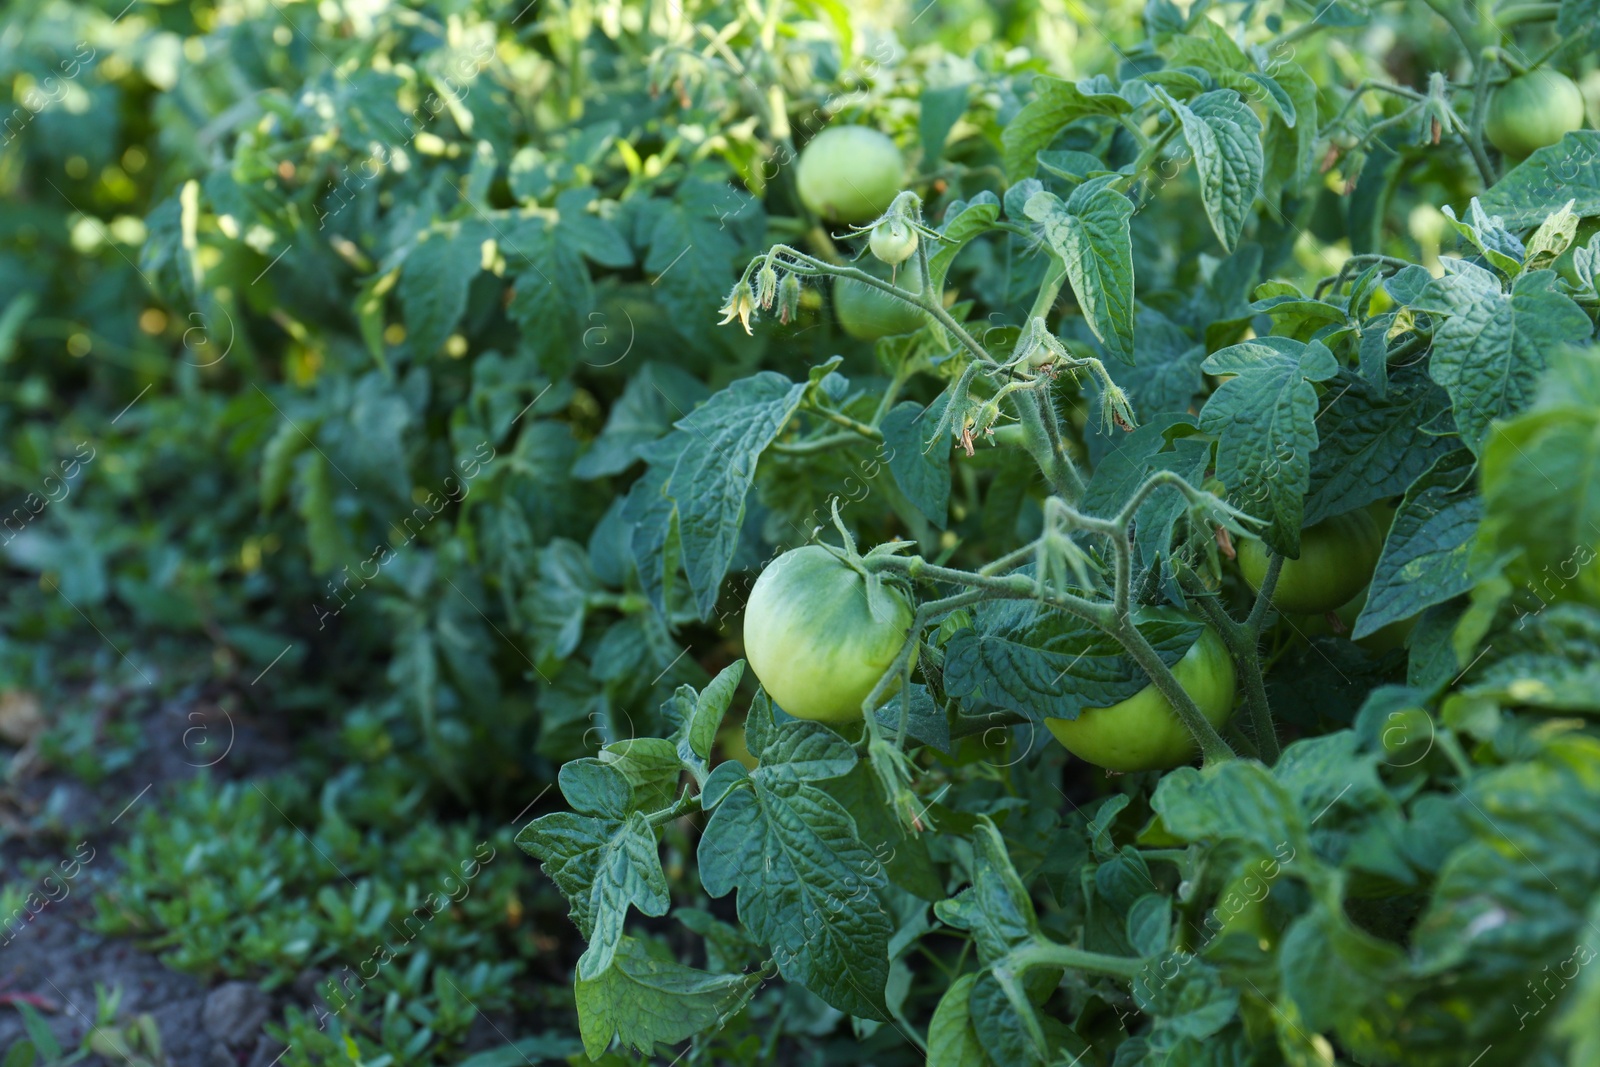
point(1143, 733)
point(1532, 111)
point(850, 174)
point(811, 639)
point(893, 241)
point(1387, 639)
point(868, 313)
point(1337, 558)
point(1407, 728)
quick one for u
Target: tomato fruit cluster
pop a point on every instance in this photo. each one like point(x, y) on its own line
point(811, 637)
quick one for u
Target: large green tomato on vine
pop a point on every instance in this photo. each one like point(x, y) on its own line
point(868, 313)
point(850, 174)
point(812, 639)
point(1337, 558)
point(1532, 111)
point(1143, 733)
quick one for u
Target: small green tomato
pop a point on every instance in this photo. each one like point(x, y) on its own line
point(893, 241)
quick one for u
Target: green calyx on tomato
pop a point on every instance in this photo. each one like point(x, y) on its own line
point(811, 636)
point(849, 173)
point(1532, 111)
point(1144, 733)
point(1337, 558)
point(893, 241)
point(868, 313)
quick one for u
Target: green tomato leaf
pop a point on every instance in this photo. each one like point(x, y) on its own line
point(1233, 801)
point(712, 704)
point(996, 908)
point(1488, 234)
point(657, 395)
point(723, 439)
point(941, 109)
point(1373, 444)
point(601, 855)
point(724, 777)
point(1337, 973)
point(592, 234)
point(1428, 555)
point(652, 516)
point(1512, 907)
point(642, 1000)
point(1548, 662)
point(1091, 235)
point(1537, 187)
point(652, 767)
point(1291, 150)
point(792, 852)
point(434, 281)
point(560, 599)
point(1225, 137)
point(1042, 663)
point(1580, 19)
point(952, 1041)
point(1541, 496)
point(1167, 376)
point(696, 243)
point(1057, 103)
point(921, 468)
point(1266, 423)
point(627, 871)
point(552, 296)
point(963, 221)
point(1491, 347)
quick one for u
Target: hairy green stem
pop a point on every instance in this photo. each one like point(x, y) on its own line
point(816, 444)
point(1213, 749)
point(1243, 641)
point(1453, 12)
point(1474, 133)
point(1517, 14)
point(1049, 954)
point(840, 418)
point(1041, 435)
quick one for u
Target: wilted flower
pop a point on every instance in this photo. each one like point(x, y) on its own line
point(740, 303)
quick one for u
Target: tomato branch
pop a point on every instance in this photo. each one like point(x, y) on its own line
point(1042, 953)
point(1244, 640)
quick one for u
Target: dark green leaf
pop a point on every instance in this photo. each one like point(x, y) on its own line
point(1541, 184)
point(1372, 444)
point(1043, 663)
point(1090, 233)
point(1265, 419)
point(1057, 103)
point(723, 439)
point(642, 1001)
point(790, 850)
point(1427, 556)
point(434, 283)
point(921, 468)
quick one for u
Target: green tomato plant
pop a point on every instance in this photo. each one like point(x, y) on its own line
point(1130, 430)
